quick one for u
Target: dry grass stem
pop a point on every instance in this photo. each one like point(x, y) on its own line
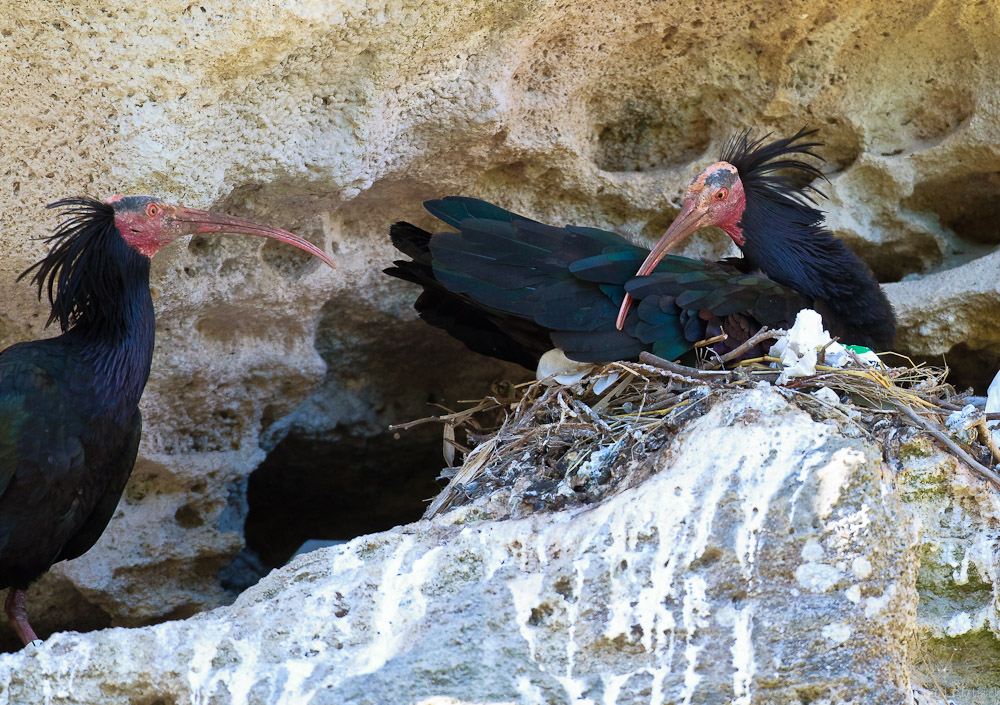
point(764, 333)
point(566, 443)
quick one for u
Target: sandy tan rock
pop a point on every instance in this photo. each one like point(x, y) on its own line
point(333, 120)
point(953, 313)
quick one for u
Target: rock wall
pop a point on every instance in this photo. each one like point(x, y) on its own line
point(333, 120)
point(769, 559)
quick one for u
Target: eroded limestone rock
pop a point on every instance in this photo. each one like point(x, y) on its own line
point(769, 560)
point(334, 120)
point(958, 615)
point(942, 314)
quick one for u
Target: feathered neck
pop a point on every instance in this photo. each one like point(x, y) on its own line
point(785, 237)
point(98, 287)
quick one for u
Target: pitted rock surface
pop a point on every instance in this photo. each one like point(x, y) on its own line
point(769, 560)
point(334, 120)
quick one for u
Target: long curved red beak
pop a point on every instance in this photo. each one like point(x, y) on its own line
point(686, 222)
point(209, 222)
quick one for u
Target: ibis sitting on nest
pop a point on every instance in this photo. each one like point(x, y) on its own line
point(513, 288)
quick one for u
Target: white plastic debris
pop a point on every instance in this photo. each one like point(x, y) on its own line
point(961, 420)
point(605, 381)
point(592, 467)
point(960, 423)
point(799, 350)
point(869, 357)
point(827, 396)
point(555, 368)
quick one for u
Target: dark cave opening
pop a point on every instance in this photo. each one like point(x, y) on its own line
point(308, 489)
point(47, 610)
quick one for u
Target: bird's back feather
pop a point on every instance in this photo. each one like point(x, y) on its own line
point(565, 285)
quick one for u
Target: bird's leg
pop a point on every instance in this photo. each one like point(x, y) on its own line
point(16, 607)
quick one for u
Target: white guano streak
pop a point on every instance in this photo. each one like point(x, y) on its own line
point(399, 598)
point(695, 612)
point(574, 688)
point(526, 592)
point(743, 656)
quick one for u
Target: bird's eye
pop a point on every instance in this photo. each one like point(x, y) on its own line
point(721, 194)
point(152, 209)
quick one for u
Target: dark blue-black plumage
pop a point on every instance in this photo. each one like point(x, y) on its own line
point(69, 418)
point(788, 241)
point(511, 287)
point(69, 405)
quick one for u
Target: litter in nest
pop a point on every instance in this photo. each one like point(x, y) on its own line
point(545, 445)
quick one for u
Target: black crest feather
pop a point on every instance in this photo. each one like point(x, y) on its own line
point(773, 167)
point(84, 271)
point(786, 238)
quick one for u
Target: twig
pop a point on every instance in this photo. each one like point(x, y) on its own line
point(455, 417)
point(987, 437)
point(606, 400)
point(831, 407)
point(978, 467)
point(763, 334)
point(711, 341)
point(821, 355)
point(473, 465)
point(689, 373)
point(761, 359)
point(856, 359)
point(967, 397)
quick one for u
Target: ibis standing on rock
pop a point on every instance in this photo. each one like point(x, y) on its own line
point(512, 288)
point(69, 405)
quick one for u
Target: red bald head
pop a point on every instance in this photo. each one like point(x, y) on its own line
point(148, 224)
point(715, 197)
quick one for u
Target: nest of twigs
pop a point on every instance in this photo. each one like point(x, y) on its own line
point(543, 445)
